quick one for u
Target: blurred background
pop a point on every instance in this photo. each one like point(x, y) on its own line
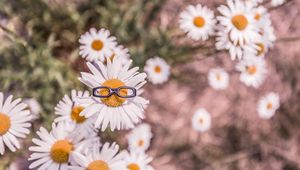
point(39, 59)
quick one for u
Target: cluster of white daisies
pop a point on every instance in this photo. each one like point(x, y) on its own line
point(74, 142)
point(244, 28)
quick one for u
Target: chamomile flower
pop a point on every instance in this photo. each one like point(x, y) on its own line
point(53, 151)
point(218, 78)
point(106, 157)
point(201, 121)
point(34, 107)
point(69, 110)
point(14, 123)
point(158, 70)
point(139, 138)
point(198, 22)
point(268, 105)
point(253, 71)
point(121, 52)
point(238, 21)
point(137, 161)
point(96, 45)
point(114, 111)
point(275, 3)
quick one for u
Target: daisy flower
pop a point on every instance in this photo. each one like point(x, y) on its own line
point(268, 105)
point(158, 70)
point(201, 121)
point(139, 138)
point(69, 110)
point(137, 161)
point(218, 78)
point(238, 20)
point(34, 107)
point(14, 122)
point(198, 22)
point(253, 71)
point(275, 3)
point(96, 45)
point(116, 112)
point(54, 150)
point(100, 158)
point(121, 52)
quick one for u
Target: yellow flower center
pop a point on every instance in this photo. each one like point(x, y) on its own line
point(251, 69)
point(218, 76)
point(133, 166)
point(98, 165)
point(157, 69)
point(4, 123)
point(97, 45)
point(60, 151)
point(269, 106)
point(257, 16)
point(141, 143)
point(75, 115)
point(199, 21)
point(113, 100)
point(240, 22)
point(261, 49)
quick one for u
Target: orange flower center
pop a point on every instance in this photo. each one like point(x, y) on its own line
point(261, 49)
point(60, 151)
point(113, 100)
point(269, 106)
point(157, 69)
point(133, 166)
point(97, 45)
point(75, 115)
point(251, 69)
point(141, 143)
point(201, 121)
point(199, 21)
point(218, 76)
point(98, 165)
point(240, 22)
point(257, 16)
point(4, 123)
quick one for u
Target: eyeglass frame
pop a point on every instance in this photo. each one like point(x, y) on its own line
point(115, 91)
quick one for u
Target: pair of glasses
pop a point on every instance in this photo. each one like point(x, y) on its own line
point(122, 92)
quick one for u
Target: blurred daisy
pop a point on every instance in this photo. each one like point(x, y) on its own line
point(14, 122)
point(238, 20)
point(253, 71)
point(96, 45)
point(198, 22)
point(100, 158)
point(268, 105)
point(158, 70)
point(218, 78)
point(118, 113)
point(139, 138)
point(69, 110)
point(34, 107)
point(53, 150)
point(201, 121)
point(137, 161)
point(121, 52)
point(275, 3)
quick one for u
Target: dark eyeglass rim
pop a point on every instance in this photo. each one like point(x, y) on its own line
point(114, 91)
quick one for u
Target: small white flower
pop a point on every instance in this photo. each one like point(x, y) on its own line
point(275, 3)
point(218, 78)
point(201, 121)
point(14, 122)
point(238, 20)
point(253, 71)
point(34, 107)
point(268, 105)
point(139, 138)
point(100, 158)
point(97, 45)
point(198, 22)
point(121, 52)
point(114, 111)
point(54, 150)
point(137, 161)
point(158, 70)
point(69, 110)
